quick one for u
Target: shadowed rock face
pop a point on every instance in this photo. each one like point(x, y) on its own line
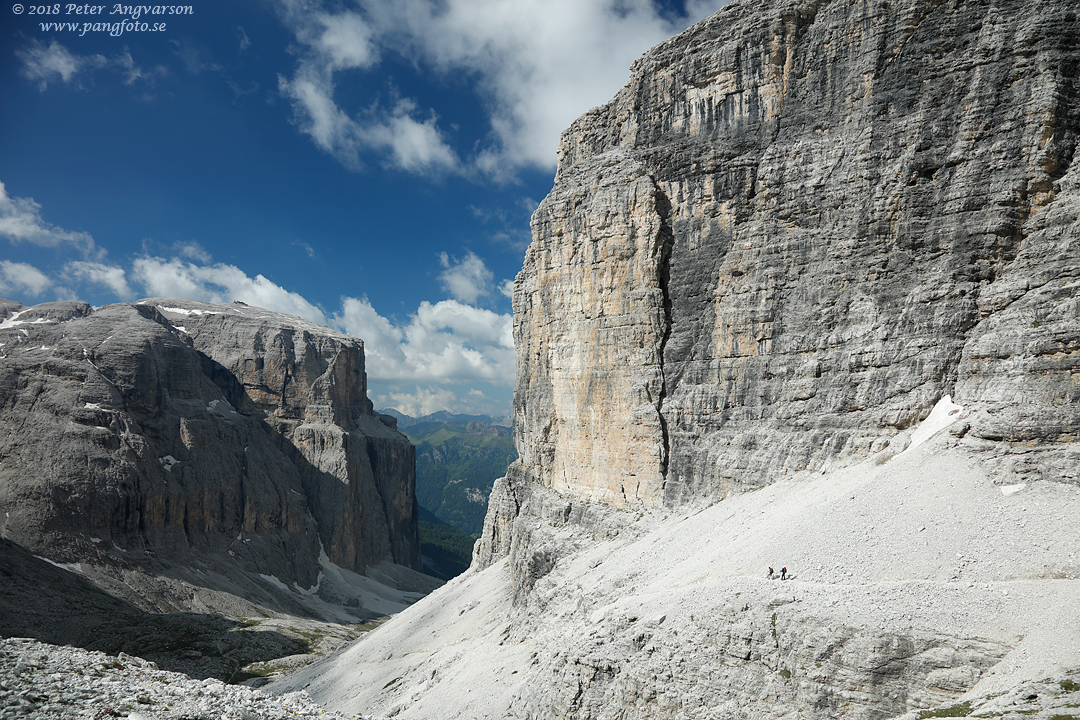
point(797, 227)
point(209, 444)
point(308, 383)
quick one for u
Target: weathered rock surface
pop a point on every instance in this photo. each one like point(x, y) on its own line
point(308, 383)
point(797, 227)
point(199, 464)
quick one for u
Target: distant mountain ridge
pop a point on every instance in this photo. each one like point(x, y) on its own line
point(444, 416)
point(458, 459)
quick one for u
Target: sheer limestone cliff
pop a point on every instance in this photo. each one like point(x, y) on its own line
point(796, 228)
point(189, 456)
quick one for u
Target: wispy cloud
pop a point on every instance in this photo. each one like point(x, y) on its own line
point(527, 59)
point(511, 227)
point(195, 56)
point(401, 136)
point(306, 247)
point(48, 63)
point(45, 64)
point(133, 72)
point(21, 221)
point(192, 251)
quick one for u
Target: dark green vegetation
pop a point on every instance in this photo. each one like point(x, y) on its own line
point(456, 464)
point(458, 459)
point(961, 710)
point(445, 551)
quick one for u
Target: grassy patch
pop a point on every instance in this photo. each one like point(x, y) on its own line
point(1069, 686)
point(785, 673)
point(961, 710)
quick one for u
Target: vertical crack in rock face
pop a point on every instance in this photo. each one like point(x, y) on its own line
point(663, 208)
point(593, 319)
point(182, 437)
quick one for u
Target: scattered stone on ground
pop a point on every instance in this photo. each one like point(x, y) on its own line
point(51, 682)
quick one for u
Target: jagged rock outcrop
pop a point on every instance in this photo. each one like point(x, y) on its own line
point(188, 456)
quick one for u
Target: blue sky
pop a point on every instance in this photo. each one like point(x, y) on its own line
point(366, 164)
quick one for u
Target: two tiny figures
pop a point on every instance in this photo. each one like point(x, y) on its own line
point(783, 574)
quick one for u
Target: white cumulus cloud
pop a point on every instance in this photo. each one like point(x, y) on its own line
point(22, 278)
point(111, 276)
point(344, 40)
point(219, 283)
point(536, 64)
point(447, 341)
point(467, 279)
point(382, 339)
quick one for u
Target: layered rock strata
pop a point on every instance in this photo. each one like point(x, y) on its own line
point(797, 227)
point(187, 456)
